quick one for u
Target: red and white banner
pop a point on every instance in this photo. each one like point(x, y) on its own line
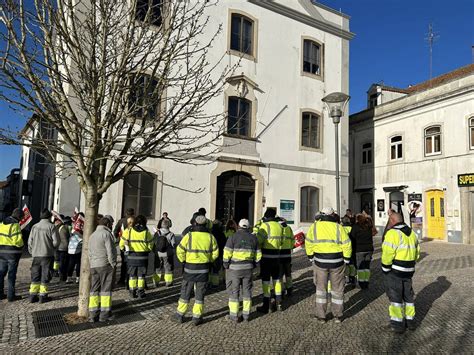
point(56, 215)
point(299, 240)
point(78, 225)
point(26, 217)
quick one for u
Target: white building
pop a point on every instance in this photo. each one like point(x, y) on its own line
point(415, 146)
point(281, 153)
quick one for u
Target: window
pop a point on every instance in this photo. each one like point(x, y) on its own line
point(471, 133)
point(311, 57)
point(241, 34)
point(433, 140)
point(309, 203)
point(367, 153)
point(373, 100)
point(139, 193)
point(432, 207)
point(396, 148)
point(144, 99)
point(239, 113)
point(441, 207)
point(310, 130)
point(152, 8)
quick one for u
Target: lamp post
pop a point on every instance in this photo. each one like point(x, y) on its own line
point(336, 104)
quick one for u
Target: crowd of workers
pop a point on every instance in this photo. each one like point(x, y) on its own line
point(340, 251)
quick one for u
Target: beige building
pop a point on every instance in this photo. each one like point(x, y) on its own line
point(415, 147)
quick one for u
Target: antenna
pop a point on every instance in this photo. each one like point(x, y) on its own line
point(431, 38)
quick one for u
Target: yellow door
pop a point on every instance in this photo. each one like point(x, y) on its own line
point(435, 214)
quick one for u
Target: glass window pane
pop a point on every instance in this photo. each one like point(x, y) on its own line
point(233, 111)
point(129, 201)
point(369, 156)
point(247, 36)
point(441, 206)
point(367, 145)
point(432, 207)
point(313, 203)
point(400, 153)
point(131, 185)
point(392, 152)
point(304, 205)
point(437, 143)
point(235, 33)
point(146, 206)
point(396, 139)
point(428, 145)
point(472, 137)
point(433, 130)
point(305, 131)
point(364, 157)
point(146, 184)
point(314, 132)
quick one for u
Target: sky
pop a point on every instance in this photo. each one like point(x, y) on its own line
point(389, 46)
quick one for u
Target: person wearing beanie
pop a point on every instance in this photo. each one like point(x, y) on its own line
point(241, 255)
point(328, 247)
point(42, 244)
point(138, 243)
point(103, 260)
point(270, 236)
point(197, 251)
point(164, 254)
point(11, 247)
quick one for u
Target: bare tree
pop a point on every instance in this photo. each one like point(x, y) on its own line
point(119, 81)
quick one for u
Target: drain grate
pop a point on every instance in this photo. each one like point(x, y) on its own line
point(51, 322)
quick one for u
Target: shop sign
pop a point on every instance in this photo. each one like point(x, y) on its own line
point(465, 180)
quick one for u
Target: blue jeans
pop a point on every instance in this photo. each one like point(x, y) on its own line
point(9, 266)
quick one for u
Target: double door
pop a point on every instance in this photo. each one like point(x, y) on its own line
point(435, 214)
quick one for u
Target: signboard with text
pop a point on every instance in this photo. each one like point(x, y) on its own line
point(466, 180)
point(287, 210)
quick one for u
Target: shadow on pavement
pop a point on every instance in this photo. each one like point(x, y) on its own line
point(428, 295)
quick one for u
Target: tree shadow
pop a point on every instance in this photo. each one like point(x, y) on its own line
point(428, 295)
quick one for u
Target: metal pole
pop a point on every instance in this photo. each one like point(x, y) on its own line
point(338, 197)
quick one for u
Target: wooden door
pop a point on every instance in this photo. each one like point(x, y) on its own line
point(435, 214)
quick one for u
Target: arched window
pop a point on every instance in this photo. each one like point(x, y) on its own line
point(310, 130)
point(433, 140)
point(239, 116)
point(309, 203)
point(152, 9)
point(241, 34)
point(311, 57)
point(471, 133)
point(396, 148)
point(139, 190)
point(366, 153)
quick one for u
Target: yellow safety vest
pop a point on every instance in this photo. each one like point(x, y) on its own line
point(288, 242)
point(400, 252)
point(270, 236)
point(197, 250)
point(11, 241)
point(328, 244)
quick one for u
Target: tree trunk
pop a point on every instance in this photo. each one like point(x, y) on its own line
point(92, 208)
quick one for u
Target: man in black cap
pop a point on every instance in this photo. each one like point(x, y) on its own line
point(11, 247)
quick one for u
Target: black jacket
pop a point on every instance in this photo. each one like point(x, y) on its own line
point(362, 240)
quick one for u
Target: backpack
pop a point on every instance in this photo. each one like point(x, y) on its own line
point(162, 243)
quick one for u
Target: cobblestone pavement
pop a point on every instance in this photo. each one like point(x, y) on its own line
point(444, 284)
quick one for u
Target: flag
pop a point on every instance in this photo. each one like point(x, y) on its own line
point(56, 215)
point(26, 217)
point(78, 225)
point(299, 240)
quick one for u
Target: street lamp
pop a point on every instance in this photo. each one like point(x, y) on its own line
point(336, 104)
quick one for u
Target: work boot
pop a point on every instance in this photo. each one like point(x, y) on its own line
point(178, 318)
point(337, 320)
point(264, 308)
point(69, 280)
point(289, 291)
point(2, 296)
point(44, 299)
point(278, 307)
point(34, 299)
point(197, 321)
point(411, 325)
point(107, 319)
point(133, 293)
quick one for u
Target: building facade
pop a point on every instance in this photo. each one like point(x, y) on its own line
point(414, 147)
point(278, 146)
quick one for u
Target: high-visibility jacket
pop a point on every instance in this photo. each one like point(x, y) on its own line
point(270, 236)
point(257, 226)
point(11, 242)
point(328, 244)
point(140, 243)
point(229, 233)
point(288, 242)
point(197, 250)
point(241, 251)
point(400, 251)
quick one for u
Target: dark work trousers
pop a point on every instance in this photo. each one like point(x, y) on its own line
point(41, 275)
point(337, 277)
point(9, 265)
point(402, 300)
point(363, 268)
point(285, 271)
point(74, 263)
point(270, 271)
point(123, 268)
point(187, 288)
point(63, 264)
point(235, 281)
point(100, 299)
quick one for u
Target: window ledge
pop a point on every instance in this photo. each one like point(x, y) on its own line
point(433, 155)
point(312, 76)
point(310, 149)
point(242, 55)
point(239, 137)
